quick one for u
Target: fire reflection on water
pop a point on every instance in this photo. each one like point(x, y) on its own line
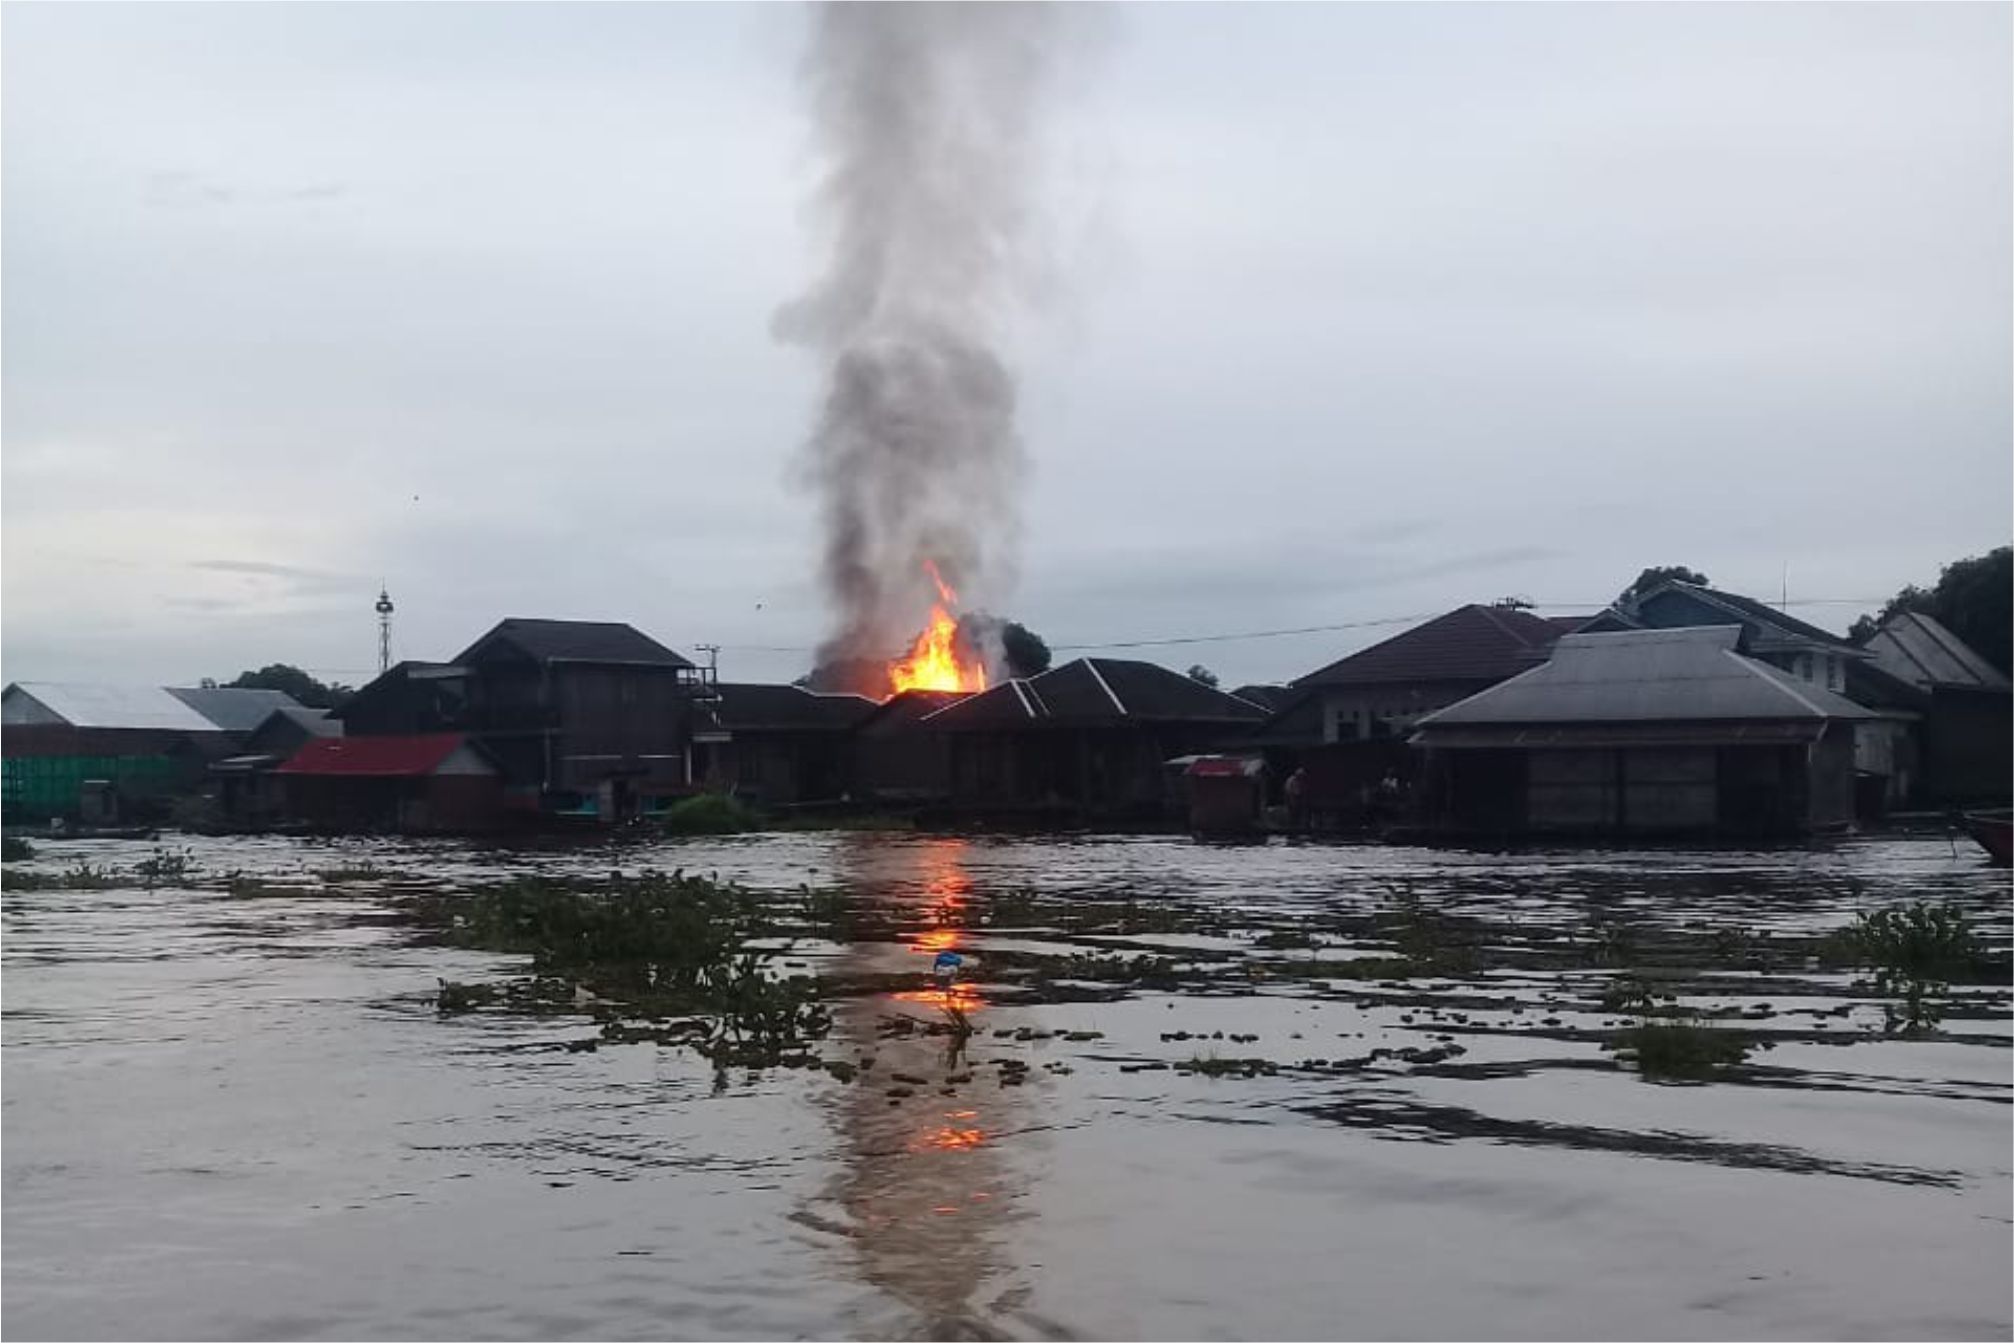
point(924, 1186)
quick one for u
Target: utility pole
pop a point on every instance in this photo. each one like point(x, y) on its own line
point(712, 652)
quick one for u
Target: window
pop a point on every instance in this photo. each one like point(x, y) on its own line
point(1835, 674)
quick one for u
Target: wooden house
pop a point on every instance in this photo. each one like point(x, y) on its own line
point(775, 744)
point(1088, 738)
point(1958, 709)
point(1643, 732)
point(1344, 727)
point(584, 718)
point(431, 783)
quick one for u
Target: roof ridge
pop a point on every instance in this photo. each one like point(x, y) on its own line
point(1780, 680)
point(1106, 686)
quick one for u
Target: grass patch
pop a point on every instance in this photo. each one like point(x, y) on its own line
point(710, 814)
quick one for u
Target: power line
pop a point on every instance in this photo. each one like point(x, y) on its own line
point(1173, 641)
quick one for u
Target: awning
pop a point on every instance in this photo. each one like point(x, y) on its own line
point(1599, 736)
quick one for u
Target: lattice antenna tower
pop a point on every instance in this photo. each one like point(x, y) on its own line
point(384, 609)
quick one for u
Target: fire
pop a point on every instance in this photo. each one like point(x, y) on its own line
point(933, 662)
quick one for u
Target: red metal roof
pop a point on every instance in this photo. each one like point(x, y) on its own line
point(1223, 767)
point(374, 757)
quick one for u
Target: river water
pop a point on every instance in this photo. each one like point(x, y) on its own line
point(232, 1117)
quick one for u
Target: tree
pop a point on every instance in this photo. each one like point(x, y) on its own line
point(1651, 577)
point(1973, 598)
point(1202, 675)
point(1025, 651)
point(292, 680)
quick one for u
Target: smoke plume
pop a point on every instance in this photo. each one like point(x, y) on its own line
point(924, 117)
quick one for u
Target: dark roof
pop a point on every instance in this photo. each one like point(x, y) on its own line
point(1567, 624)
point(1469, 643)
point(576, 641)
point(1298, 722)
point(234, 709)
point(1768, 622)
point(900, 711)
point(393, 681)
point(1269, 697)
point(1098, 690)
point(374, 757)
point(1644, 676)
point(748, 707)
point(1916, 648)
point(315, 722)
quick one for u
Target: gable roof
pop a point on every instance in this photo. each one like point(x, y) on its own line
point(901, 711)
point(374, 757)
point(1917, 648)
point(1771, 626)
point(608, 641)
point(1097, 690)
point(743, 706)
point(83, 704)
point(234, 708)
point(1469, 643)
point(1269, 697)
point(315, 722)
point(1692, 674)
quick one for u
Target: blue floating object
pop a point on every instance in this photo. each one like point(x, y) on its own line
point(949, 960)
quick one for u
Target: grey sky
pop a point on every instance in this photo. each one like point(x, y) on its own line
point(1353, 312)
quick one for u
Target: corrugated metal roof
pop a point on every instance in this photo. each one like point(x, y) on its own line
point(1677, 675)
point(576, 641)
point(742, 706)
point(315, 722)
point(1469, 643)
point(83, 704)
point(234, 708)
point(1098, 690)
point(374, 757)
point(1596, 736)
point(1917, 648)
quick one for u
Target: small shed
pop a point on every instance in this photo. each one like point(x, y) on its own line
point(1226, 793)
point(429, 783)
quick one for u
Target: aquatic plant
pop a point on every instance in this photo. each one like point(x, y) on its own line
point(14, 849)
point(82, 877)
point(166, 868)
point(457, 997)
point(1915, 951)
point(1668, 1040)
point(1682, 1048)
point(655, 945)
point(709, 814)
point(1433, 943)
point(349, 872)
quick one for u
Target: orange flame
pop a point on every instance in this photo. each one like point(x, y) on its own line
point(933, 662)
